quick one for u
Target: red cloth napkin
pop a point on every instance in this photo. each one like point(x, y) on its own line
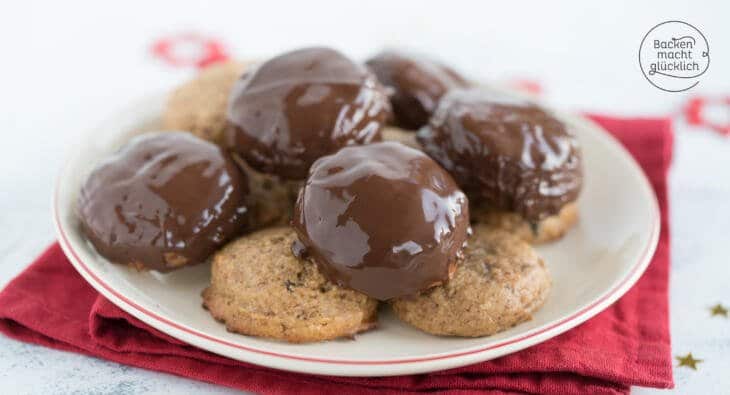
point(627, 344)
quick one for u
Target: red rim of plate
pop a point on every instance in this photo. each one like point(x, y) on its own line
point(642, 261)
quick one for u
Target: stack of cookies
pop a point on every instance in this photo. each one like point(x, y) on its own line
point(322, 189)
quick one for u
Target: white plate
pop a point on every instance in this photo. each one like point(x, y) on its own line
point(592, 266)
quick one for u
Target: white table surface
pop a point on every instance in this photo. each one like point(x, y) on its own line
point(67, 65)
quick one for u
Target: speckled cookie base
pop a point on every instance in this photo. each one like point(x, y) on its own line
point(259, 288)
point(271, 198)
point(499, 284)
point(549, 229)
point(199, 106)
point(392, 133)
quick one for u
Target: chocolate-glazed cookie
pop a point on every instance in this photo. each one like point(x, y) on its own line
point(163, 201)
point(383, 219)
point(505, 151)
point(301, 105)
point(417, 84)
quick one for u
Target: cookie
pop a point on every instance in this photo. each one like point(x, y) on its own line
point(545, 230)
point(200, 105)
point(383, 219)
point(417, 83)
point(301, 105)
point(271, 199)
point(506, 151)
point(392, 133)
point(499, 284)
point(258, 287)
point(163, 201)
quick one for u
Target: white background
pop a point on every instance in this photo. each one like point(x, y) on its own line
point(66, 65)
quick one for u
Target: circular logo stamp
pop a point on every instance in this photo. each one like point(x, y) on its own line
point(673, 56)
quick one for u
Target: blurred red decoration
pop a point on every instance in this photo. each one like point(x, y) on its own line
point(529, 86)
point(189, 49)
point(695, 111)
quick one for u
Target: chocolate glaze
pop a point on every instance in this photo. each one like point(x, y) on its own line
point(383, 219)
point(417, 83)
point(163, 201)
point(505, 151)
point(301, 105)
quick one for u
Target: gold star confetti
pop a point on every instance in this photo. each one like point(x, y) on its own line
point(688, 361)
point(718, 309)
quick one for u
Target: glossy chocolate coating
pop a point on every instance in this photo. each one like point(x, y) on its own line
point(505, 151)
point(301, 105)
point(383, 219)
point(163, 201)
point(417, 83)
